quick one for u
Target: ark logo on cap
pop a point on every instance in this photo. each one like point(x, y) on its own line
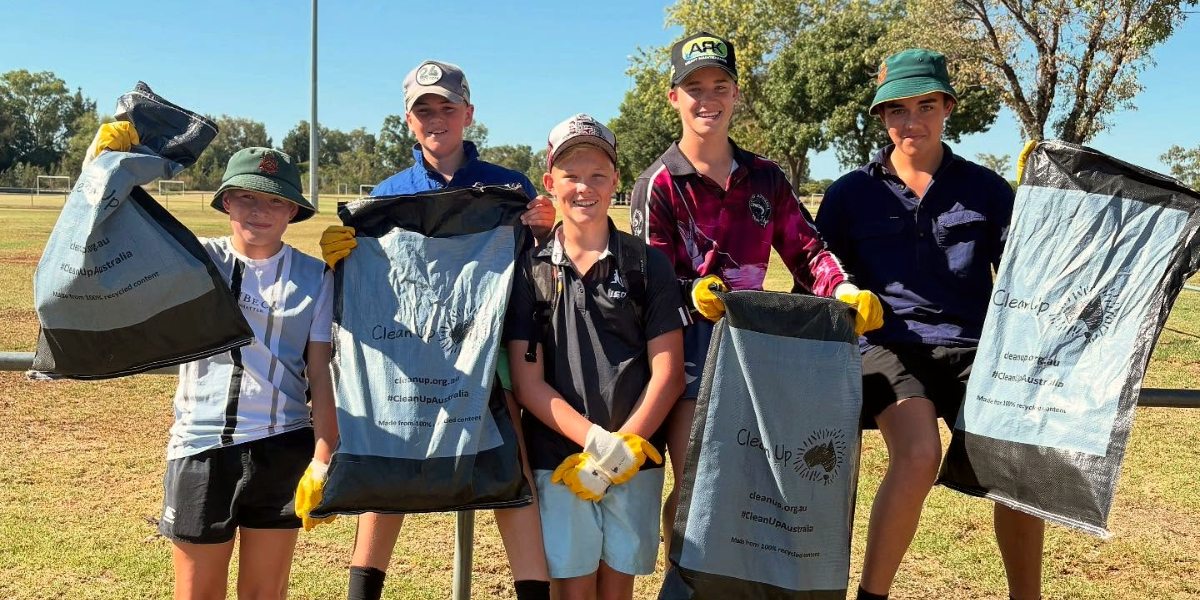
point(705, 47)
point(698, 51)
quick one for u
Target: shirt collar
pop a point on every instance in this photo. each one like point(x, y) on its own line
point(678, 164)
point(554, 251)
point(878, 165)
point(470, 155)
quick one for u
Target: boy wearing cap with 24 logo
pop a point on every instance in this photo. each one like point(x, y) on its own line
point(927, 227)
point(716, 211)
point(437, 101)
point(243, 432)
point(596, 348)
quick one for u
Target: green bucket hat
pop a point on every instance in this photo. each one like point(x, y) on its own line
point(912, 73)
point(268, 171)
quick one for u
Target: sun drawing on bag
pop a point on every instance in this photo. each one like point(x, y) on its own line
point(821, 456)
point(454, 331)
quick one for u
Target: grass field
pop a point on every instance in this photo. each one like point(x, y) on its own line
point(81, 468)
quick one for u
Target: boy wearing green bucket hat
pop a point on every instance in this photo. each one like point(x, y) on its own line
point(926, 228)
point(244, 434)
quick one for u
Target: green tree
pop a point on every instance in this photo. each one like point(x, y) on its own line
point(537, 168)
point(1185, 165)
point(477, 132)
point(396, 143)
point(296, 143)
point(85, 127)
point(1066, 64)
point(233, 134)
point(39, 117)
point(516, 157)
point(646, 124)
point(998, 163)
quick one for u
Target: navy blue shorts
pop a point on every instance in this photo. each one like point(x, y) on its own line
point(207, 496)
point(893, 373)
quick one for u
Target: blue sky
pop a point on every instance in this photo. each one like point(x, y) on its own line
point(530, 64)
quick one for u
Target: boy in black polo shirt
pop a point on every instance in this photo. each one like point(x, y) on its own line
point(596, 346)
point(925, 228)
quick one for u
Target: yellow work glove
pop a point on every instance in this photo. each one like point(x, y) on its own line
point(868, 312)
point(1025, 152)
point(619, 455)
point(118, 135)
point(582, 476)
point(706, 302)
point(336, 244)
point(309, 492)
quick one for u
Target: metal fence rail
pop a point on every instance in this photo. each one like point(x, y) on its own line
point(1150, 397)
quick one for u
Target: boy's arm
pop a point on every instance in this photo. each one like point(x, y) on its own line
point(318, 353)
point(800, 246)
point(652, 219)
point(666, 384)
point(324, 411)
point(544, 402)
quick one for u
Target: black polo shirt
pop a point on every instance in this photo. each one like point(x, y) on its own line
point(595, 351)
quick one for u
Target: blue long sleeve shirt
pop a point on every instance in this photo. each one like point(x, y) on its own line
point(421, 178)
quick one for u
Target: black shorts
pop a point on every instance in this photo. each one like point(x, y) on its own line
point(893, 373)
point(207, 496)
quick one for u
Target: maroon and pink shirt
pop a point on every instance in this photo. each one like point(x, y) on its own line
point(709, 230)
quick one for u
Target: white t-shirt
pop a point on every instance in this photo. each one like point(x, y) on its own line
point(257, 390)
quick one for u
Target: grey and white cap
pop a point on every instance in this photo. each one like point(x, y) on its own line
point(436, 77)
point(580, 129)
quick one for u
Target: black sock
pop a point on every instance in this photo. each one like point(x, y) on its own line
point(865, 595)
point(530, 589)
point(366, 583)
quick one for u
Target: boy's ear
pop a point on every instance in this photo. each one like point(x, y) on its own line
point(470, 115)
point(295, 209)
point(548, 183)
point(673, 97)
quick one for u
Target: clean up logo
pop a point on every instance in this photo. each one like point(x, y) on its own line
point(821, 456)
point(1088, 312)
point(429, 74)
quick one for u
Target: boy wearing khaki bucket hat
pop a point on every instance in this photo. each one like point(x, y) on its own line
point(925, 227)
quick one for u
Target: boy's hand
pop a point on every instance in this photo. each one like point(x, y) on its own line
point(336, 244)
point(309, 493)
point(540, 216)
point(118, 136)
point(619, 455)
point(582, 476)
point(868, 312)
point(706, 302)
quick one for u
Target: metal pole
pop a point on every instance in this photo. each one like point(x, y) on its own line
point(464, 549)
point(314, 131)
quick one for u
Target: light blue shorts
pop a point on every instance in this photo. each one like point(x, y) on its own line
point(621, 529)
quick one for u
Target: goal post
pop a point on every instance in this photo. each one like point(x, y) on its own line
point(53, 184)
point(364, 189)
point(343, 189)
point(171, 186)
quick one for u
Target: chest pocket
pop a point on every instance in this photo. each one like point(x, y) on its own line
point(960, 235)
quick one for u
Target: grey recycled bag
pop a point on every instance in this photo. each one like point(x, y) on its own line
point(419, 306)
point(123, 287)
point(1097, 252)
point(766, 501)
